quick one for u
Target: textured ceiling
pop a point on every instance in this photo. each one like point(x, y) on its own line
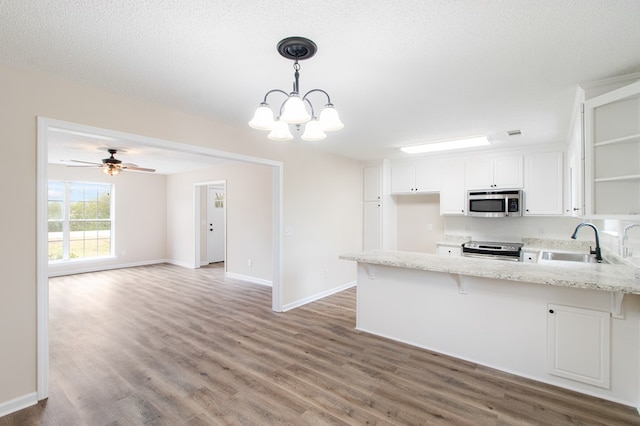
point(399, 72)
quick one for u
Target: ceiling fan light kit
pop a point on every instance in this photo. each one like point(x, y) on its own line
point(294, 109)
point(112, 166)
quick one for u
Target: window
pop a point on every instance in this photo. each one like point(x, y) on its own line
point(80, 220)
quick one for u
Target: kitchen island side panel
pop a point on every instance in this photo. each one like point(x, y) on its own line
point(496, 323)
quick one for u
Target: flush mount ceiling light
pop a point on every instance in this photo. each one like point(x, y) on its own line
point(447, 145)
point(294, 108)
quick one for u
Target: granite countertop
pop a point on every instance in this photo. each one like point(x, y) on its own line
point(595, 276)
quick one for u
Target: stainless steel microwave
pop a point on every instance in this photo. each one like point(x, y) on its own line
point(507, 203)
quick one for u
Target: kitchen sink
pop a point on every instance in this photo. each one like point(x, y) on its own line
point(569, 257)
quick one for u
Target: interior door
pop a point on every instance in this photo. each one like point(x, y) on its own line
point(216, 224)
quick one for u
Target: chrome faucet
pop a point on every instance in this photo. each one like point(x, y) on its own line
point(625, 238)
point(597, 251)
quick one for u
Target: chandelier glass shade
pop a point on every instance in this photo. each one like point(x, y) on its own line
point(295, 109)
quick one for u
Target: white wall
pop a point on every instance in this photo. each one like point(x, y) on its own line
point(322, 199)
point(139, 217)
point(249, 233)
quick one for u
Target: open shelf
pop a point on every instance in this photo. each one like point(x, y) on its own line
point(618, 178)
point(635, 138)
point(612, 153)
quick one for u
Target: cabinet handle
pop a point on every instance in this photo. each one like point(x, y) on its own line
point(550, 311)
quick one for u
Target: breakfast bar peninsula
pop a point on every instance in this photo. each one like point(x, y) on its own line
point(570, 324)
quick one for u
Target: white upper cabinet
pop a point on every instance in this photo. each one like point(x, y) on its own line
point(372, 183)
point(494, 173)
point(543, 184)
point(416, 177)
point(403, 179)
point(612, 153)
point(453, 197)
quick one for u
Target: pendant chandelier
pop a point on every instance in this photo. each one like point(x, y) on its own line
point(294, 108)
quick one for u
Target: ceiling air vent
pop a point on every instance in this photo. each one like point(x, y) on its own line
point(514, 132)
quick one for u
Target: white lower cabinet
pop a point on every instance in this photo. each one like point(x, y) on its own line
point(530, 256)
point(579, 344)
point(449, 251)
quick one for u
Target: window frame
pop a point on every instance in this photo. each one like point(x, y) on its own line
point(67, 220)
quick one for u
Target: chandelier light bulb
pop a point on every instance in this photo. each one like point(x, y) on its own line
point(280, 132)
point(329, 119)
point(313, 132)
point(263, 118)
point(294, 111)
point(111, 170)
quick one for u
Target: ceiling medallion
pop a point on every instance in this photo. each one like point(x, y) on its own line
point(294, 108)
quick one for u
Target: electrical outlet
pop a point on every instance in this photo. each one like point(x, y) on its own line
point(249, 262)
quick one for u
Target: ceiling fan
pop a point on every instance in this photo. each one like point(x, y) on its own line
point(112, 166)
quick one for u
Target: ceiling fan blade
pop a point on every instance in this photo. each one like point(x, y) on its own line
point(85, 162)
point(138, 169)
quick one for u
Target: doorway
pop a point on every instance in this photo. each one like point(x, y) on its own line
point(216, 223)
point(44, 127)
point(210, 223)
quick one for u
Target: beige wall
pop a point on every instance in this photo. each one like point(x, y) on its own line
point(140, 218)
point(321, 198)
point(249, 233)
point(419, 224)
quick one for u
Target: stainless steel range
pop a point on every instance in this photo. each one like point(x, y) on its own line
point(492, 250)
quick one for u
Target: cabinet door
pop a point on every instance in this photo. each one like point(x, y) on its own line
point(478, 173)
point(372, 183)
point(371, 235)
point(449, 251)
point(453, 196)
point(402, 179)
point(612, 153)
point(507, 172)
point(579, 344)
point(543, 184)
point(494, 173)
point(428, 176)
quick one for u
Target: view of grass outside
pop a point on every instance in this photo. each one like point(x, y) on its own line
point(79, 220)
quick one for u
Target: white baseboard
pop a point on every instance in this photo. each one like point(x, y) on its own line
point(95, 267)
point(19, 403)
point(254, 280)
point(180, 263)
point(318, 296)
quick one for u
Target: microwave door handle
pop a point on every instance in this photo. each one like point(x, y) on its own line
point(506, 206)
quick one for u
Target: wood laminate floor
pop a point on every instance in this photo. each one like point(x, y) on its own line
point(165, 345)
